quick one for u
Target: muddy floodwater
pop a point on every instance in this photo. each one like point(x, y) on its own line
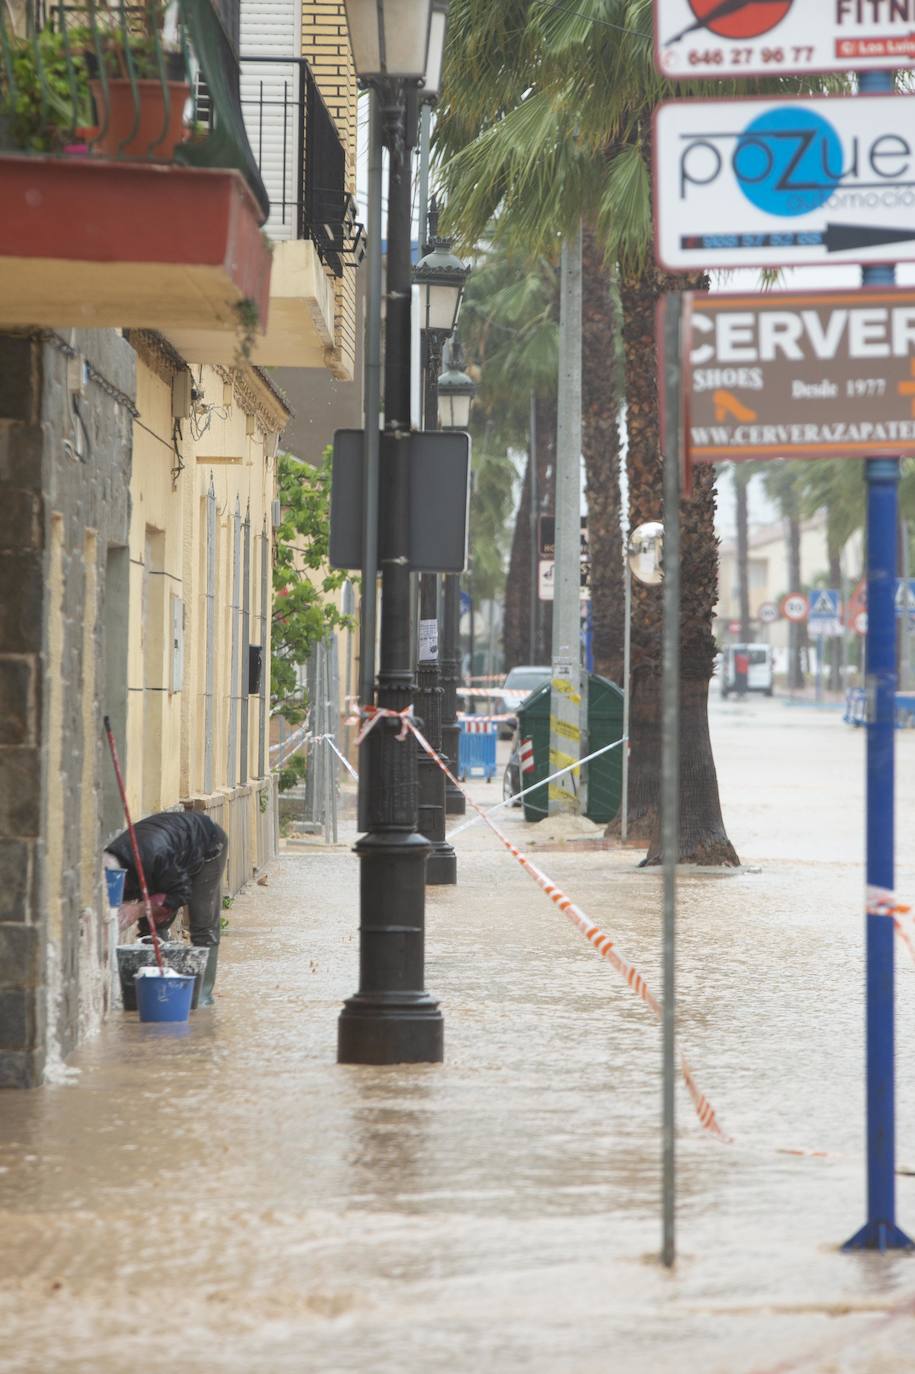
point(231, 1200)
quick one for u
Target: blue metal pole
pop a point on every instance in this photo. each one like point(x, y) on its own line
point(880, 1231)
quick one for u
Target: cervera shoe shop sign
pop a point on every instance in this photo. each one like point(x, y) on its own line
point(818, 374)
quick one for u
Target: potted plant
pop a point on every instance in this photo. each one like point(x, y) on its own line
point(141, 88)
point(44, 101)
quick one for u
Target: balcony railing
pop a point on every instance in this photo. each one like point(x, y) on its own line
point(122, 82)
point(300, 158)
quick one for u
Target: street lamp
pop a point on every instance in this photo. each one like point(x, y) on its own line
point(392, 1019)
point(440, 278)
point(456, 391)
point(455, 396)
point(432, 77)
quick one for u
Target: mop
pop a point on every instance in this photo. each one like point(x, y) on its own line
point(147, 904)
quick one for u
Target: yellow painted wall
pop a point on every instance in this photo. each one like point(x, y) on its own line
point(229, 441)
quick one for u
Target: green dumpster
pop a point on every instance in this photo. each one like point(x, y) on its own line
point(605, 725)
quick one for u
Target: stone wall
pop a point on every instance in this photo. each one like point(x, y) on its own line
point(65, 453)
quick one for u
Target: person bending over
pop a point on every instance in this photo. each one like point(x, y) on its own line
point(184, 856)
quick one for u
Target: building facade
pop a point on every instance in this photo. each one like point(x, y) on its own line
point(140, 308)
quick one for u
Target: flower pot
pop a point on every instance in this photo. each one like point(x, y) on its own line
point(149, 141)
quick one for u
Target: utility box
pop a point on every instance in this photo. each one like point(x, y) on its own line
point(605, 726)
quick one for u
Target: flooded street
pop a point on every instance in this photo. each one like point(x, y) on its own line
point(231, 1200)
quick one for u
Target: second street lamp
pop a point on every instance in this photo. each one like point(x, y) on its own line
point(440, 277)
point(455, 392)
point(392, 1019)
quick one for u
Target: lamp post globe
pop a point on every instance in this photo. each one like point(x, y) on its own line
point(456, 391)
point(440, 277)
point(389, 38)
point(432, 77)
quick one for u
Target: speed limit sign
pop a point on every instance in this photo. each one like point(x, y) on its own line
point(794, 606)
point(768, 613)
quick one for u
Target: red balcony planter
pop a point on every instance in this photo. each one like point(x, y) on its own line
point(99, 243)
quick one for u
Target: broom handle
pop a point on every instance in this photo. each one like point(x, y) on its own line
point(133, 844)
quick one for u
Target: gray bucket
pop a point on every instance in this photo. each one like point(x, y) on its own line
point(188, 959)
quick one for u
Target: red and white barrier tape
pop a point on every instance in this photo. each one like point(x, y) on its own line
point(598, 938)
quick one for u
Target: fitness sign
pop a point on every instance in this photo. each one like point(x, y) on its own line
point(736, 38)
point(780, 182)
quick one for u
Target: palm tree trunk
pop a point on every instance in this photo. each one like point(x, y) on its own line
point(702, 835)
point(796, 630)
point(600, 333)
point(516, 614)
point(741, 481)
point(517, 611)
point(835, 644)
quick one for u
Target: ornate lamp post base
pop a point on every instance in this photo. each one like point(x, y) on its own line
point(391, 1019)
point(441, 865)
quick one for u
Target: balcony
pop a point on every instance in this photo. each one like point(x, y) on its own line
point(302, 163)
point(120, 206)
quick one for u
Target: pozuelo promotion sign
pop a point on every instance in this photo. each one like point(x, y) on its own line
point(824, 374)
point(783, 182)
point(729, 39)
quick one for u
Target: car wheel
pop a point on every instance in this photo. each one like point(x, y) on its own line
point(508, 788)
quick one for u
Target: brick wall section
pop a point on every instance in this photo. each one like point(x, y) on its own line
point(42, 480)
point(325, 43)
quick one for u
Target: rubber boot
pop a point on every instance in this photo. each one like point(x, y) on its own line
point(209, 978)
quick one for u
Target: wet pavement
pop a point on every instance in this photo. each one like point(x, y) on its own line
point(231, 1200)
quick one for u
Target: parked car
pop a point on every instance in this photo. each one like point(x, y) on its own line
point(516, 688)
point(760, 674)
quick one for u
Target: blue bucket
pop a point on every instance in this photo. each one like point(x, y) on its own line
point(164, 999)
point(115, 878)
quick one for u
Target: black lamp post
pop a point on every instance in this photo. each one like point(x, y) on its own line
point(440, 277)
point(392, 1019)
point(455, 391)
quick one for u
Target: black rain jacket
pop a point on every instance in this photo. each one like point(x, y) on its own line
point(174, 846)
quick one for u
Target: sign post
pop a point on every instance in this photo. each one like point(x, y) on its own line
point(880, 1231)
point(824, 619)
point(807, 180)
point(670, 753)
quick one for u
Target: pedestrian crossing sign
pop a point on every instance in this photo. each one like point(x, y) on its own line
point(825, 615)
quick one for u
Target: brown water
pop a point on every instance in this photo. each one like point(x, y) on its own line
point(229, 1199)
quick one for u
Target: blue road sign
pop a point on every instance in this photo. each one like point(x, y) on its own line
point(825, 614)
point(466, 603)
point(905, 598)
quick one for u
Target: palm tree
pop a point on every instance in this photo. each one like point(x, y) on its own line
point(837, 488)
point(603, 388)
point(509, 325)
point(550, 124)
